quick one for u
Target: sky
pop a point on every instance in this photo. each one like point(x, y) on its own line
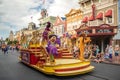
point(16, 14)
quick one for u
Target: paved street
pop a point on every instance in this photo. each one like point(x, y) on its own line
point(12, 69)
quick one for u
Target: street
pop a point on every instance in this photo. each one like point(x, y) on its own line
point(12, 69)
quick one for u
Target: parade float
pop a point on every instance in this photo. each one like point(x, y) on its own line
point(48, 54)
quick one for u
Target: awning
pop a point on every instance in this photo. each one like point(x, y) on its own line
point(99, 16)
point(91, 18)
point(108, 13)
point(85, 20)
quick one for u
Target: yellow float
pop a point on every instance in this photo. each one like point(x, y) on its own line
point(64, 63)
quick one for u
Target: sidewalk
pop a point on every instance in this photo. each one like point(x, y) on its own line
point(108, 62)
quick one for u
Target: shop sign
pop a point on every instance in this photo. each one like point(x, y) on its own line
point(105, 26)
point(86, 31)
point(104, 31)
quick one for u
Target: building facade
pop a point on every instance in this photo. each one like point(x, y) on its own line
point(17, 35)
point(59, 26)
point(27, 31)
point(11, 36)
point(116, 38)
point(31, 26)
point(100, 21)
point(73, 19)
point(43, 21)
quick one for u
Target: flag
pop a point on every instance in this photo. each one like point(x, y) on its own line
point(43, 1)
point(31, 17)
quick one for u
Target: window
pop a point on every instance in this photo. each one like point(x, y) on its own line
point(109, 19)
point(109, 16)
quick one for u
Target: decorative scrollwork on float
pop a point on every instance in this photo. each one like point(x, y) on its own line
point(23, 42)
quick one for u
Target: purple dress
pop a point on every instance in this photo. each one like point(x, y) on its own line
point(46, 31)
point(45, 34)
point(52, 48)
point(58, 41)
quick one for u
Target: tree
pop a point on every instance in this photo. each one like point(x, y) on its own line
point(7, 39)
point(9, 42)
point(15, 42)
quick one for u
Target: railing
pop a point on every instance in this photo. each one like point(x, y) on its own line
point(93, 23)
point(96, 22)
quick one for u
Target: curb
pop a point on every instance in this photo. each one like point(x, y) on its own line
point(111, 63)
point(108, 63)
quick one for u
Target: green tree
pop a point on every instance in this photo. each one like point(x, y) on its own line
point(7, 39)
point(9, 42)
point(15, 42)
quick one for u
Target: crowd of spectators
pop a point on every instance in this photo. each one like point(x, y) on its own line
point(111, 53)
point(5, 48)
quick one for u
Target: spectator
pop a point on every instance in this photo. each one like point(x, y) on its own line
point(99, 58)
point(87, 53)
point(117, 53)
point(111, 53)
point(17, 48)
point(106, 56)
point(76, 52)
point(6, 49)
point(94, 50)
point(97, 49)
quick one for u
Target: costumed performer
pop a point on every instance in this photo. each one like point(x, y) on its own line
point(52, 47)
point(46, 33)
point(82, 41)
